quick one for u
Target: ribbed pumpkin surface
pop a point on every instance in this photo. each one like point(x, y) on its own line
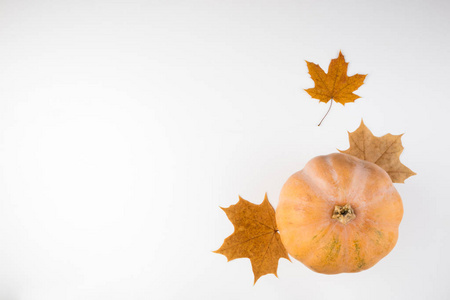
point(352, 241)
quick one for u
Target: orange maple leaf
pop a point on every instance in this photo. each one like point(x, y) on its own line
point(255, 236)
point(334, 85)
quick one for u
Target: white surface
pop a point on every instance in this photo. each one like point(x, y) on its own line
point(125, 124)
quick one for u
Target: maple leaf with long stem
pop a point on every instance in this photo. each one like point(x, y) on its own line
point(255, 236)
point(334, 85)
point(383, 151)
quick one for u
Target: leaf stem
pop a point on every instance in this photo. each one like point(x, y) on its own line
point(331, 103)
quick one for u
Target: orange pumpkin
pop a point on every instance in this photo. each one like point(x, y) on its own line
point(339, 214)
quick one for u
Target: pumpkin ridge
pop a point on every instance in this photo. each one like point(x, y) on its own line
point(381, 222)
point(359, 178)
point(310, 182)
point(314, 249)
point(345, 254)
point(334, 175)
point(378, 198)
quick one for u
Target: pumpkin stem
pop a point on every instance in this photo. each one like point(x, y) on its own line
point(343, 214)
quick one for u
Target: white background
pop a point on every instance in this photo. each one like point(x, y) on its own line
point(125, 124)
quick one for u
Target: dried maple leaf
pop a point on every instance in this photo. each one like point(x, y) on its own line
point(255, 236)
point(335, 85)
point(383, 151)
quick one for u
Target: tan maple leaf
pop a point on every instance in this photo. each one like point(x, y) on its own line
point(383, 151)
point(334, 85)
point(255, 236)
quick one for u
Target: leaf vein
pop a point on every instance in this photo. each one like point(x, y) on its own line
point(237, 244)
point(385, 151)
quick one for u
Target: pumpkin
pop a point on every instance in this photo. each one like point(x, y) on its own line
point(339, 214)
